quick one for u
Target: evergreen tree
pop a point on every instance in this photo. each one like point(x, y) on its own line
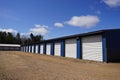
point(32, 37)
point(18, 38)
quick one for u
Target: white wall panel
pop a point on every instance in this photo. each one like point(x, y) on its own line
point(48, 49)
point(92, 48)
point(71, 48)
point(57, 49)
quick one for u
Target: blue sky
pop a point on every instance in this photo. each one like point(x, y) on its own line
point(55, 18)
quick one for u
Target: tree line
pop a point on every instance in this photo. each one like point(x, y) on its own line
point(10, 38)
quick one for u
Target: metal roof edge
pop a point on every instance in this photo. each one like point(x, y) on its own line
point(76, 35)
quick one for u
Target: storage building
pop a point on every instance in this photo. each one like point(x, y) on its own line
point(102, 45)
point(10, 47)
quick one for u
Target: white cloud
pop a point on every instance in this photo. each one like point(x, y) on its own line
point(112, 3)
point(83, 21)
point(8, 30)
point(58, 24)
point(39, 29)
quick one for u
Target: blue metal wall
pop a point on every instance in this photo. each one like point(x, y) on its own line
point(63, 48)
point(79, 48)
point(113, 45)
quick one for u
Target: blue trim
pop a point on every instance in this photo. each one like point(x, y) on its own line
point(79, 48)
point(104, 48)
point(52, 49)
point(34, 48)
point(28, 48)
point(31, 48)
point(63, 48)
point(39, 48)
point(21, 48)
point(25, 48)
point(44, 48)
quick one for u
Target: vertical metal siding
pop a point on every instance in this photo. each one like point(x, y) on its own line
point(44, 48)
point(63, 48)
point(52, 48)
point(34, 48)
point(29, 48)
point(57, 49)
point(70, 48)
point(92, 48)
point(79, 48)
point(104, 48)
point(39, 48)
point(48, 49)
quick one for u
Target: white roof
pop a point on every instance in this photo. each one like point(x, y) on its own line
point(12, 45)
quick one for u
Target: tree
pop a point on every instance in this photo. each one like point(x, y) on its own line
point(10, 39)
point(18, 38)
point(32, 37)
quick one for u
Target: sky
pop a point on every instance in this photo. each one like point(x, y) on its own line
point(56, 18)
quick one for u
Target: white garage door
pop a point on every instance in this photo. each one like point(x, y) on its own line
point(27, 48)
point(57, 49)
point(92, 48)
point(48, 49)
point(70, 48)
point(41, 49)
point(36, 49)
point(32, 48)
point(23, 48)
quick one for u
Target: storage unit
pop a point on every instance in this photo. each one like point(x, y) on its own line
point(92, 48)
point(57, 49)
point(102, 45)
point(48, 49)
point(41, 49)
point(10, 47)
point(70, 48)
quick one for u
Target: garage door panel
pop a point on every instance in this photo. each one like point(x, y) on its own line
point(36, 49)
point(41, 49)
point(29, 48)
point(48, 49)
point(70, 46)
point(57, 49)
point(92, 48)
point(32, 49)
